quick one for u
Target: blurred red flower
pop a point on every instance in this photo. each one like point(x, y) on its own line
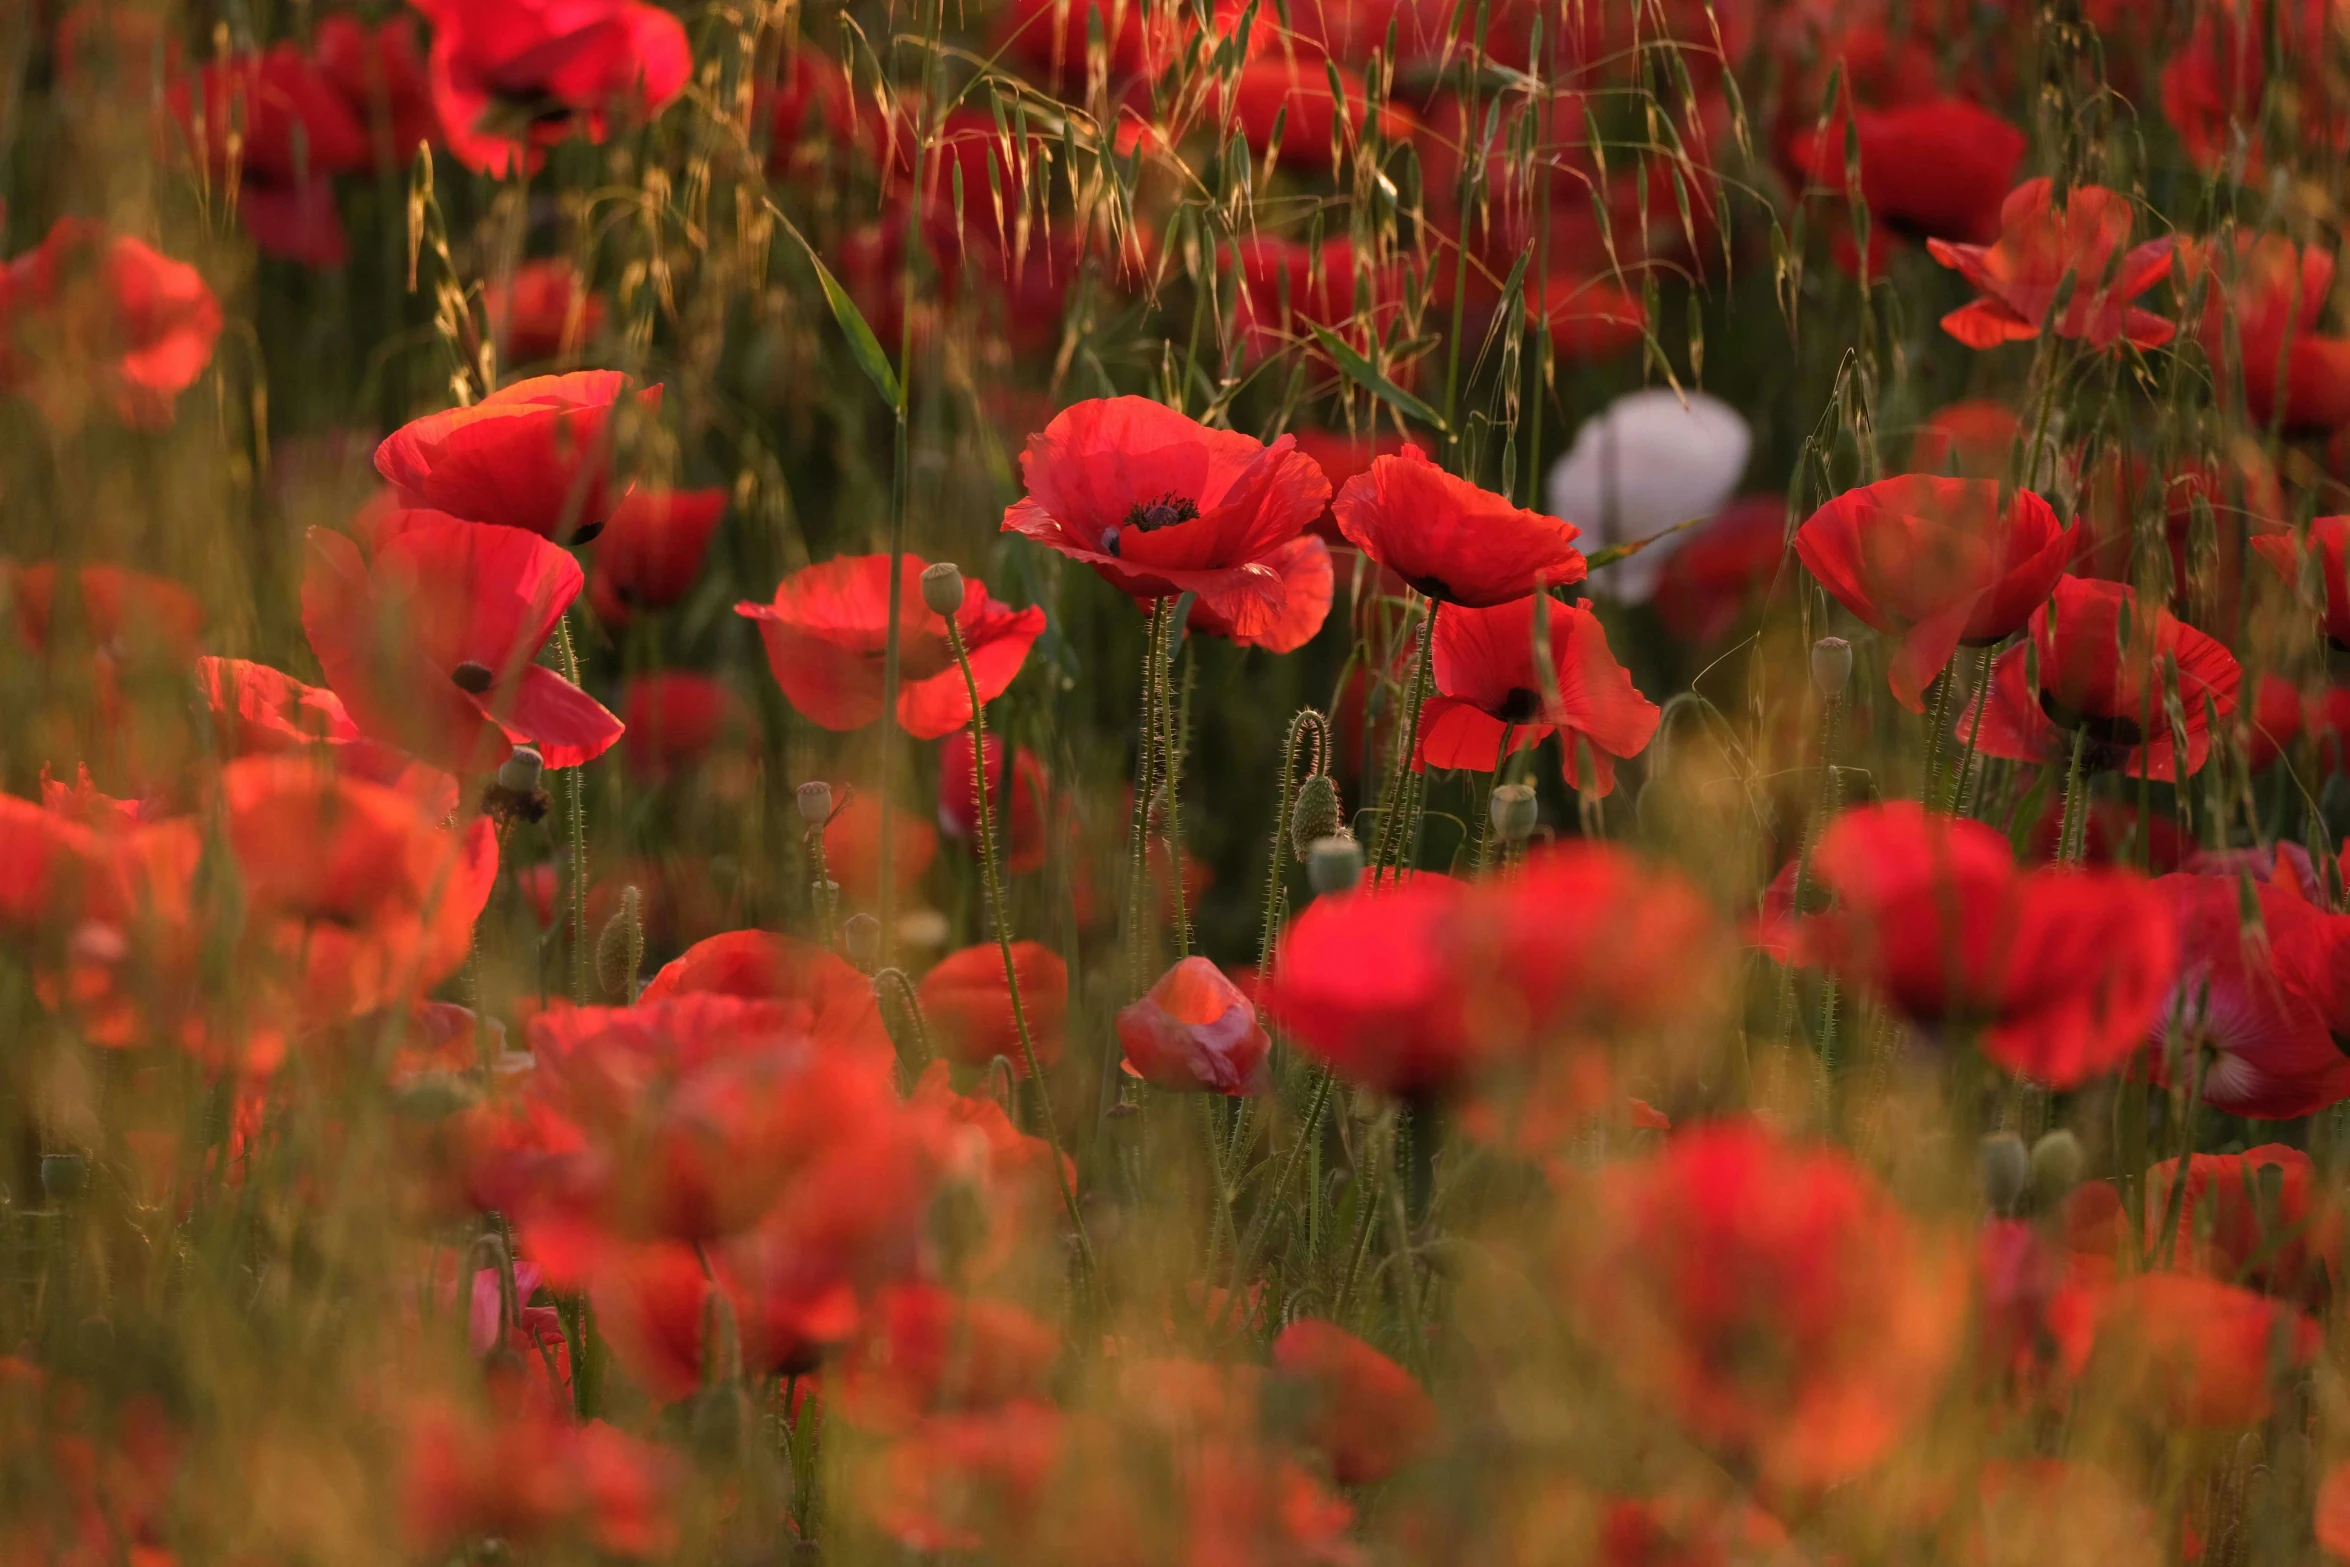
point(1161, 505)
point(1192, 1030)
point(2216, 84)
point(2330, 537)
point(512, 79)
point(2266, 999)
point(2273, 292)
point(675, 719)
point(1974, 438)
point(1020, 826)
point(1938, 167)
point(1726, 567)
point(828, 628)
point(1451, 540)
point(534, 455)
point(1286, 286)
point(2018, 277)
point(545, 310)
point(2260, 1218)
point(277, 123)
point(1488, 685)
point(651, 551)
point(1939, 563)
point(927, 1351)
point(1340, 457)
point(532, 1477)
point(1769, 1295)
point(89, 312)
point(1293, 92)
point(968, 1006)
point(1362, 981)
point(432, 644)
point(822, 995)
point(2192, 1351)
point(380, 74)
point(1361, 1408)
point(852, 846)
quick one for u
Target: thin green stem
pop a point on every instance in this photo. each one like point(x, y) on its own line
point(2070, 837)
point(1171, 714)
point(575, 802)
point(1394, 822)
point(1138, 975)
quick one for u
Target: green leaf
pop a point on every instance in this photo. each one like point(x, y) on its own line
point(1358, 370)
point(1615, 552)
point(862, 343)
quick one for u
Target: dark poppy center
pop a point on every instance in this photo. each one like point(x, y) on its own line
point(1521, 706)
point(1431, 587)
point(1149, 517)
point(471, 677)
point(2107, 729)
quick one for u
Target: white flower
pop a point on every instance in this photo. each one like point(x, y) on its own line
point(1648, 461)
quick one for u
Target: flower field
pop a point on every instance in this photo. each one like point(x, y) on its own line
point(1174, 783)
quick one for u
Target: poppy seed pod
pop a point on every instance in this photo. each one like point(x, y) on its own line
point(2056, 1166)
point(862, 935)
point(1512, 809)
point(815, 799)
point(1334, 864)
point(1831, 666)
point(2006, 1170)
point(521, 771)
point(942, 587)
point(620, 950)
point(1315, 815)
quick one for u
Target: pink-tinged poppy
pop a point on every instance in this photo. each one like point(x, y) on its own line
point(536, 455)
point(821, 994)
point(651, 551)
point(2260, 1218)
point(676, 719)
point(513, 79)
point(2194, 1352)
point(531, 1478)
point(89, 313)
point(2273, 292)
point(852, 846)
point(1161, 505)
point(1318, 131)
point(276, 122)
point(968, 1006)
point(546, 310)
point(1724, 569)
point(2115, 694)
point(1307, 585)
point(2057, 974)
point(380, 73)
point(1363, 1410)
point(1771, 1296)
point(2260, 1004)
point(2018, 278)
point(827, 633)
point(1939, 563)
point(2216, 83)
point(1451, 540)
point(1021, 823)
point(1364, 981)
point(433, 644)
point(1194, 1030)
point(1491, 683)
point(2330, 538)
point(1939, 168)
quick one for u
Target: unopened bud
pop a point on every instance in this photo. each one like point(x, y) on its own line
point(1831, 666)
point(1314, 816)
point(942, 587)
point(2056, 1166)
point(861, 933)
point(816, 802)
point(1511, 807)
point(1334, 864)
point(2005, 1169)
point(521, 771)
point(620, 950)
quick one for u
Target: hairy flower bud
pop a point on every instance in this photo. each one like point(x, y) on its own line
point(521, 771)
point(620, 950)
point(1334, 864)
point(861, 933)
point(942, 587)
point(1831, 666)
point(2006, 1170)
point(2056, 1166)
point(1512, 810)
point(815, 800)
point(1315, 814)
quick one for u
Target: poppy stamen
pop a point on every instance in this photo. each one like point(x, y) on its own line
point(1149, 516)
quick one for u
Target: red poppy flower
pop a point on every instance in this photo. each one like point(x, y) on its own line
point(2199, 1352)
point(1161, 505)
point(2018, 278)
point(1939, 563)
point(828, 629)
point(1193, 1029)
point(535, 455)
point(1970, 439)
point(2262, 998)
point(432, 644)
point(1020, 827)
point(1488, 685)
point(651, 551)
point(276, 121)
point(544, 311)
point(87, 311)
point(928, 1352)
point(512, 80)
point(353, 898)
point(1771, 1296)
point(957, 1480)
point(1451, 540)
point(531, 1477)
point(810, 115)
point(852, 846)
point(1294, 91)
point(823, 996)
point(380, 74)
point(676, 719)
point(1724, 569)
point(1341, 457)
point(2229, 501)
point(1936, 168)
point(1363, 980)
point(2330, 537)
point(968, 1007)
point(1362, 1409)
point(1053, 39)
point(259, 711)
point(2115, 694)
point(2215, 84)
point(2062, 971)
point(2273, 292)
point(2259, 1218)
